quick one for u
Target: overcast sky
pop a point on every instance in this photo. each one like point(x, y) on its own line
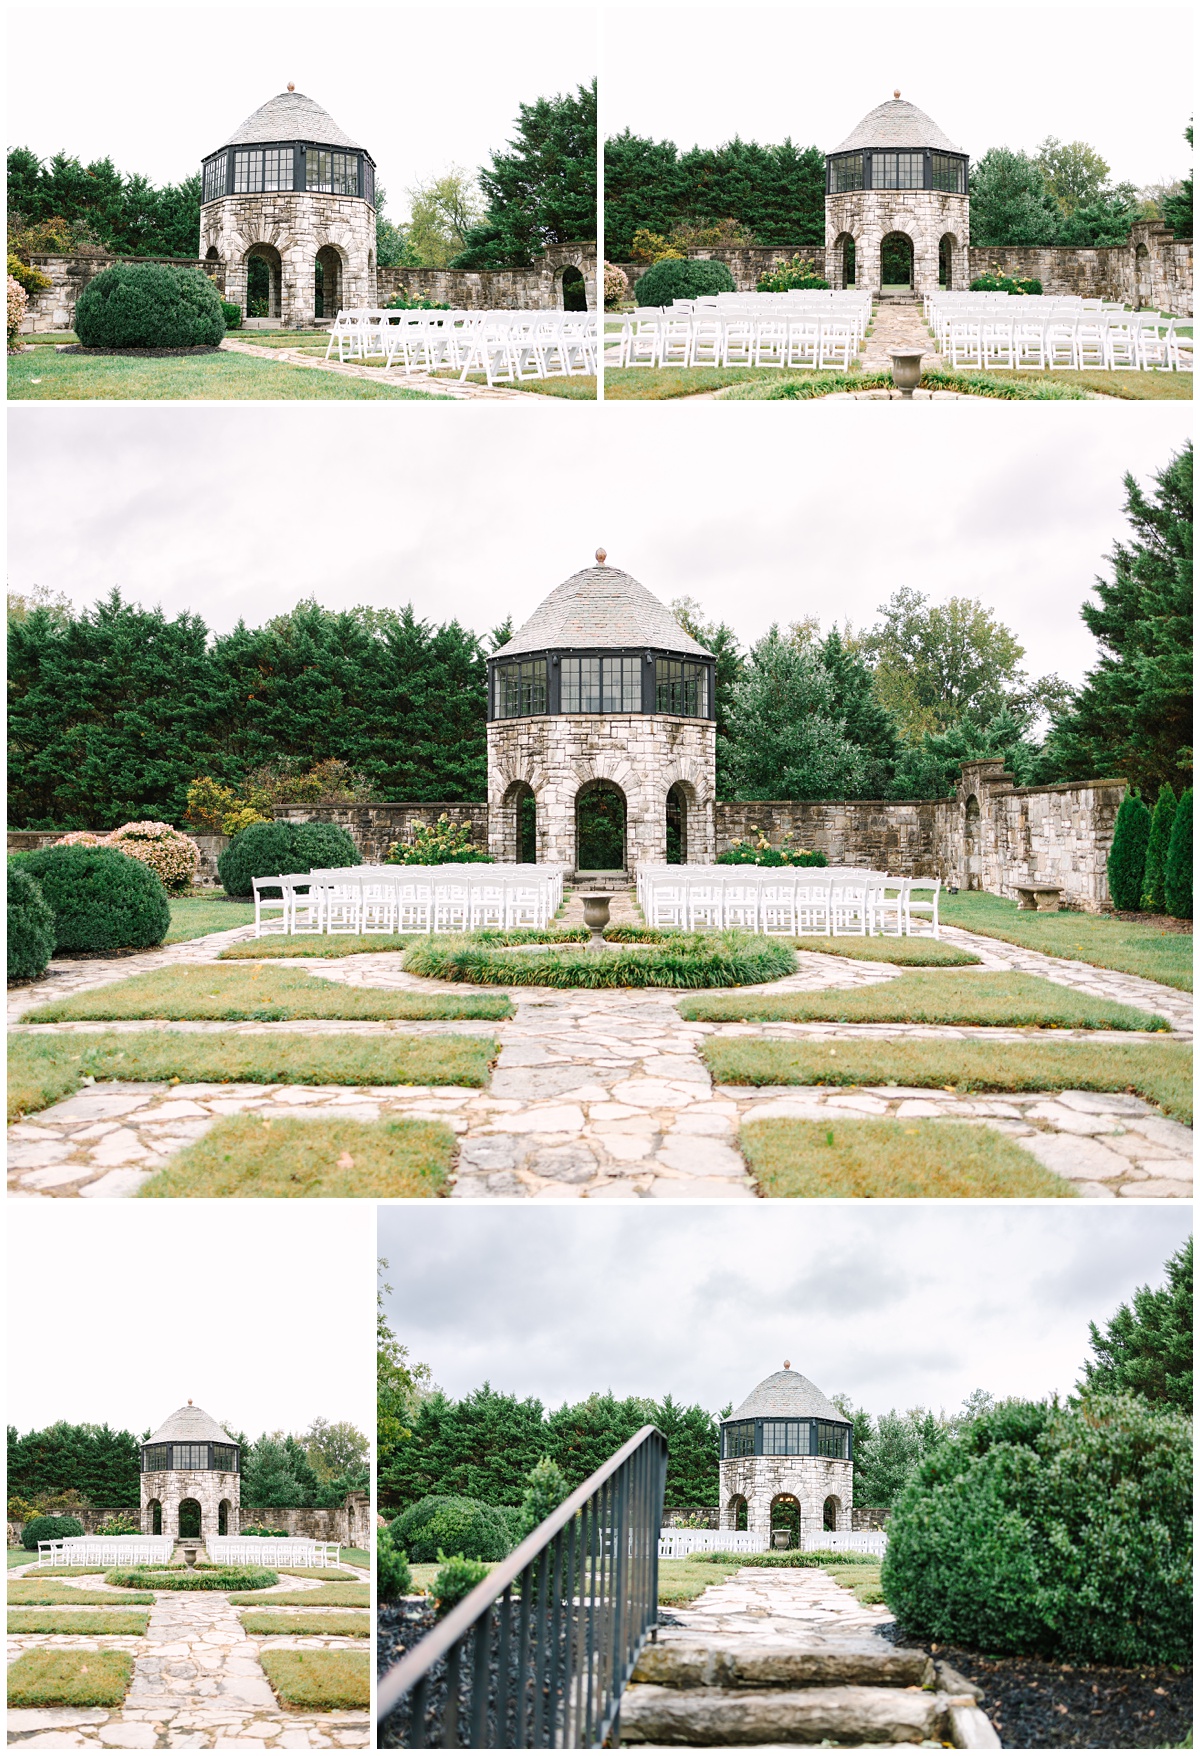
point(898, 1304)
point(155, 88)
point(761, 511)
point(987, 75)
point(260, 1312)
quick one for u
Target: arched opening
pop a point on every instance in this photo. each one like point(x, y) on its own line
point(896, 261)
point(739, 1512)
point(212, 254)
point(845, 244)
point(520, 806)
point(785, 1522)
point(154, 1514)
point(1141, 261)
point(189, 1518)
point(572, 290)
point(830, 1512)
point(328, 282)
point(600, 827)
point(973, 844)
point(264, 281)
point(946, 249)
point(677, 825)
point(223, 1511)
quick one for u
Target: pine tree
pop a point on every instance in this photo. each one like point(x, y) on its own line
point(787, 738)
point(1127, 855)
point(1146, 1347)
point(1177, 886)
point(1156, 849)
point(869, 725)
point(542, 189)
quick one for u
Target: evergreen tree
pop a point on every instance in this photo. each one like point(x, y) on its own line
point(542, 190)
point(276, 1472)
point(99, 1464)
point(1146, 1347)
point(546, 1487)
point(693, 1463)
point(869, 724)
point(481, 1447)
point(719, 639)
point(1156, 850)
point(935, 663)
point(931, 769)
point(95, 203)
point(1127, 855)
point(861, 1440)
point(787, 739)
point(1177, 209)
point(1010, 203)
point(1177, 887)
point(899, 1444)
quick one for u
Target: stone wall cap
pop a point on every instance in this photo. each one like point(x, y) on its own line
point(290, 116)
point(897, 123)
point(788, 1393)
point(191, 1423)
point(601, 607)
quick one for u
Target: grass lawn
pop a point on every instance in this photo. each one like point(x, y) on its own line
point(21, 1557)
point(663, 383)
point(347, 1597)
point(315, 945)
point(42, 375)
point(244, 1156)
point(262, 993)
point(1133, 946)
point(681, 1581)
point(328, 1574)
point(27, 1591)
point(990, 997)
point(356, 1557)
point(69, 1678)
point(194, 916)
point(43, 1069)
point(856, 1159)
point(321, 1681)
point(349, 1623)
point(78, 1621)
point(1159, 1072)
point(911, 953)
point(60, 1573)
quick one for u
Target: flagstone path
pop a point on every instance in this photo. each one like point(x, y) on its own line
point(598, 1094)
point(897, 326)
point(776, 1604)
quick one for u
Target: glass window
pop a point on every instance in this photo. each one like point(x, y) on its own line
point(622, 685)
point(681, 687)
point(189, 1457)
point(831, 1440)
point(224, 1457)
point(264, 169)
point(739, 1439)
point(785, 1438)
point(155, 1457)
point(215, 177)
point(580, 685)
point(336, 173)
point(521, 689)
point(369, 180)
point(898, 170)
point(948, 173)
point(847, 172)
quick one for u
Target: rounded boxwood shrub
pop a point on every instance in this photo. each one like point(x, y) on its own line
point(1127, 855)
point(452, 1524)
point(393, 1573)
point(1064, 1532)
point(30, 926)
point(149, 305)
point(263, 850)
point(676, 277)
point(102, 900)
point(232, 314)
point(49, 1530)
point(1177, 884)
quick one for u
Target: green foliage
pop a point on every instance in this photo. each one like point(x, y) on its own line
point(682, 278)
point(32, 279)
point(542, 189)
point(445, 844)
point(1146, 1349)
point(73, 204)
point(402, 303)
point(546, 1488)
point(1010, 203)
point(276, 1472)
point(994, 281)
point(392, 1571)
point(101, 900)
point(932, 768)
point(204, 1579)
point(469, 1527)
point(260, 1530)
point(761, 853)
point(46, 1530)
point(1127, 855)
point(776, 193)
point(684, 960)
point(1046, 1530)
point(264, 850)
point(30, 927)
point(98, 1466)
point(120, 1524)
point(1177, 887)
point(454, 1579)
point(787, 738)
point(797, 275)
point(149, 305)
point(232, 314)
point(1155, 876)
point(45, 1677)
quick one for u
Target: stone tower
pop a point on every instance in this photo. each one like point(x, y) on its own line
point(191, 1478)
point(896, 187)
point(601, 732)
point(288, 205)
point(786, 1461)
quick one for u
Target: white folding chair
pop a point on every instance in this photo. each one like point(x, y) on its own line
point(704, 905)
point(911, 907)
point(812, 905)
point(848, 913)
point(262, 900)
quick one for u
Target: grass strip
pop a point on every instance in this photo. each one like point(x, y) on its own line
point(990, 997)
point(320, 1681)
point(918, 953)
point(685, 960)
point(43, 1069)
point(352, 1558)
point(346, 1597)
point(786, 1558)
point(262, 994)
point(326, 1573)
point(205, 1579)
point(78, 1621)
point(62, 1572)
point(326, 945)
point(57, 1678)
point(249, 1157)
point(679, 1582)
point(1138, 948)
point(21, 1557)
point(25, 1591)
point(44, 375)
point(194, 916)
point(1159, 1072)
point(961, 383)
point(852, 1159)
point(348, 1623)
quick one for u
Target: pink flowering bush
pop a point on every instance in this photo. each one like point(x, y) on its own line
point(18, 305)
point(80, 838)
point(616, 284)
point(170, 853)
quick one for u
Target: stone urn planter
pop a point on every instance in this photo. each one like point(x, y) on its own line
point(595, 917)
point(906, 370)
point(189, 1556)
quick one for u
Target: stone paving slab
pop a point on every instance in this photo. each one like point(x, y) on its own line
point(775, 1607)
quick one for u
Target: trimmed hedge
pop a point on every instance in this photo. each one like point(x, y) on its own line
point(48, 1530)
point(149, 305)
point(101, 900)
point(677, 277)
point(1177, 885)
point(393, 1573)
point(1064, 1532)
point(205, 1579)
point(452, 1524)
point(232, 314)
point(30, 926)
point(1127, 855)
point(264, 850)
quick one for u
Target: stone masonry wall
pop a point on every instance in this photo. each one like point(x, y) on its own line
point(296, 224)
point(374, 828)
point(211, 847)
point(810, 1479)
point(348, 1524)
point(538, 288)
point(925, 216)
point(1152, 271)
point(747, 264)
point(206, 1486)
point(54, 307)
point(898, 837)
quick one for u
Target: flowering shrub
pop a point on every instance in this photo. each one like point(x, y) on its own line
point(169, 852)
point(996, 281)
point(446, 844)
point(789, 277)
point(648, 246)
point(119, 1526)
point(18, 304)
point(217, 810)
point(80, 838)
point(761, 853)
point(32, 279)
point(616, 284)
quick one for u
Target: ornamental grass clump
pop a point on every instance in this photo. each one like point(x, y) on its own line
point(167, 851)
point(30, 927)
point(101, 899)
point(149, 305)
point(684, 960)
point(205, 1578)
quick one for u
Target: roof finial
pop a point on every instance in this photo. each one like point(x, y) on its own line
point(189, 1402)
point(787, 1365)
point(602, 556)
point(895, 94)
point(291, 87)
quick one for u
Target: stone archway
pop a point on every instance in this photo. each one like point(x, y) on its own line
point(223, 1511)
point(154, 1515)
point(896, 264)
point(785, 1522)
point(520, 823)
point(601, 823)
point(570, 288)
point(190, 1518)
point(972, 845)
point(329, 281)
point(739, 1513)
point(831, 1513)
point(264, 281)
point(843, 261)
point(1143, 278)
point(680, 799)
point(947, 252)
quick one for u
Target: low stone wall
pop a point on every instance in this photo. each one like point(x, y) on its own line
point(348, 1524)
point(54, 306)
point(691, 1518)
point(211, 847)
point(899, 837)
point(869, 1517)
point(747, 263)
point(1152, 271)
point(538, 288)
point(374, 828)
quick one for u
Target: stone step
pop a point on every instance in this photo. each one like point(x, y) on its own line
point(680, 1663)
point(851, 1713)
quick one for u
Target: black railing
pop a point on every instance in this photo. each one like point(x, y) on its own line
point(537, 1656)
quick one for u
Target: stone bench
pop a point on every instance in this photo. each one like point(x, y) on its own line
point(1046, 897)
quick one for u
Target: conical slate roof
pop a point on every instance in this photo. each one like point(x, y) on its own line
point(897, 123)
point(599, 607)
point(191, 1423)
point(291, 116)
point(787, 1394)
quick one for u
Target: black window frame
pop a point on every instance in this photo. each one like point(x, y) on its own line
point(694, 676)
point(348, 163)
point(181, 1454)
point(947, 164)
point(832, 1440)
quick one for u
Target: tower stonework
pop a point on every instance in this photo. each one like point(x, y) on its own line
point(786, 1447)
point(190, 1477)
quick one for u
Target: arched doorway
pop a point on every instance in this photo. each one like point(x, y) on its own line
point(189, 1518)
point(677, 825)
point(845, 246)
point(212, 254)
point(264, 281)
point(946, 249)
point(520, 828)
point(830, 1512)
point(328, 281)
point(572, 290)
point(154, 1514)
point(1141, 263)
point(973, 845)
point(739, 1512)
point(896, 260)
point(600, 827)
point(785, 1522)
point(223, 1511)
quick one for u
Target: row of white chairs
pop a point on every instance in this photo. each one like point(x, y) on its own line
point(272, 1551)
point(407, 899)
point(115, 1551)
point(720, 339)
point(787, 901)
point(1105, 343)
point(676, 1545)
point(507, 346)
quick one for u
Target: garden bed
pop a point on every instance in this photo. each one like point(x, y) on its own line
point(245, 1157)
point(684, 960)
point(861, 1160)
point(205, 1578)
point(69, 1678)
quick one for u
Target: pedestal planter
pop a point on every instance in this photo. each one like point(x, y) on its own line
point(595, 917)
point(906, 370)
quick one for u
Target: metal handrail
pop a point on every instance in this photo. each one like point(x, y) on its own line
point(539, 1653)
